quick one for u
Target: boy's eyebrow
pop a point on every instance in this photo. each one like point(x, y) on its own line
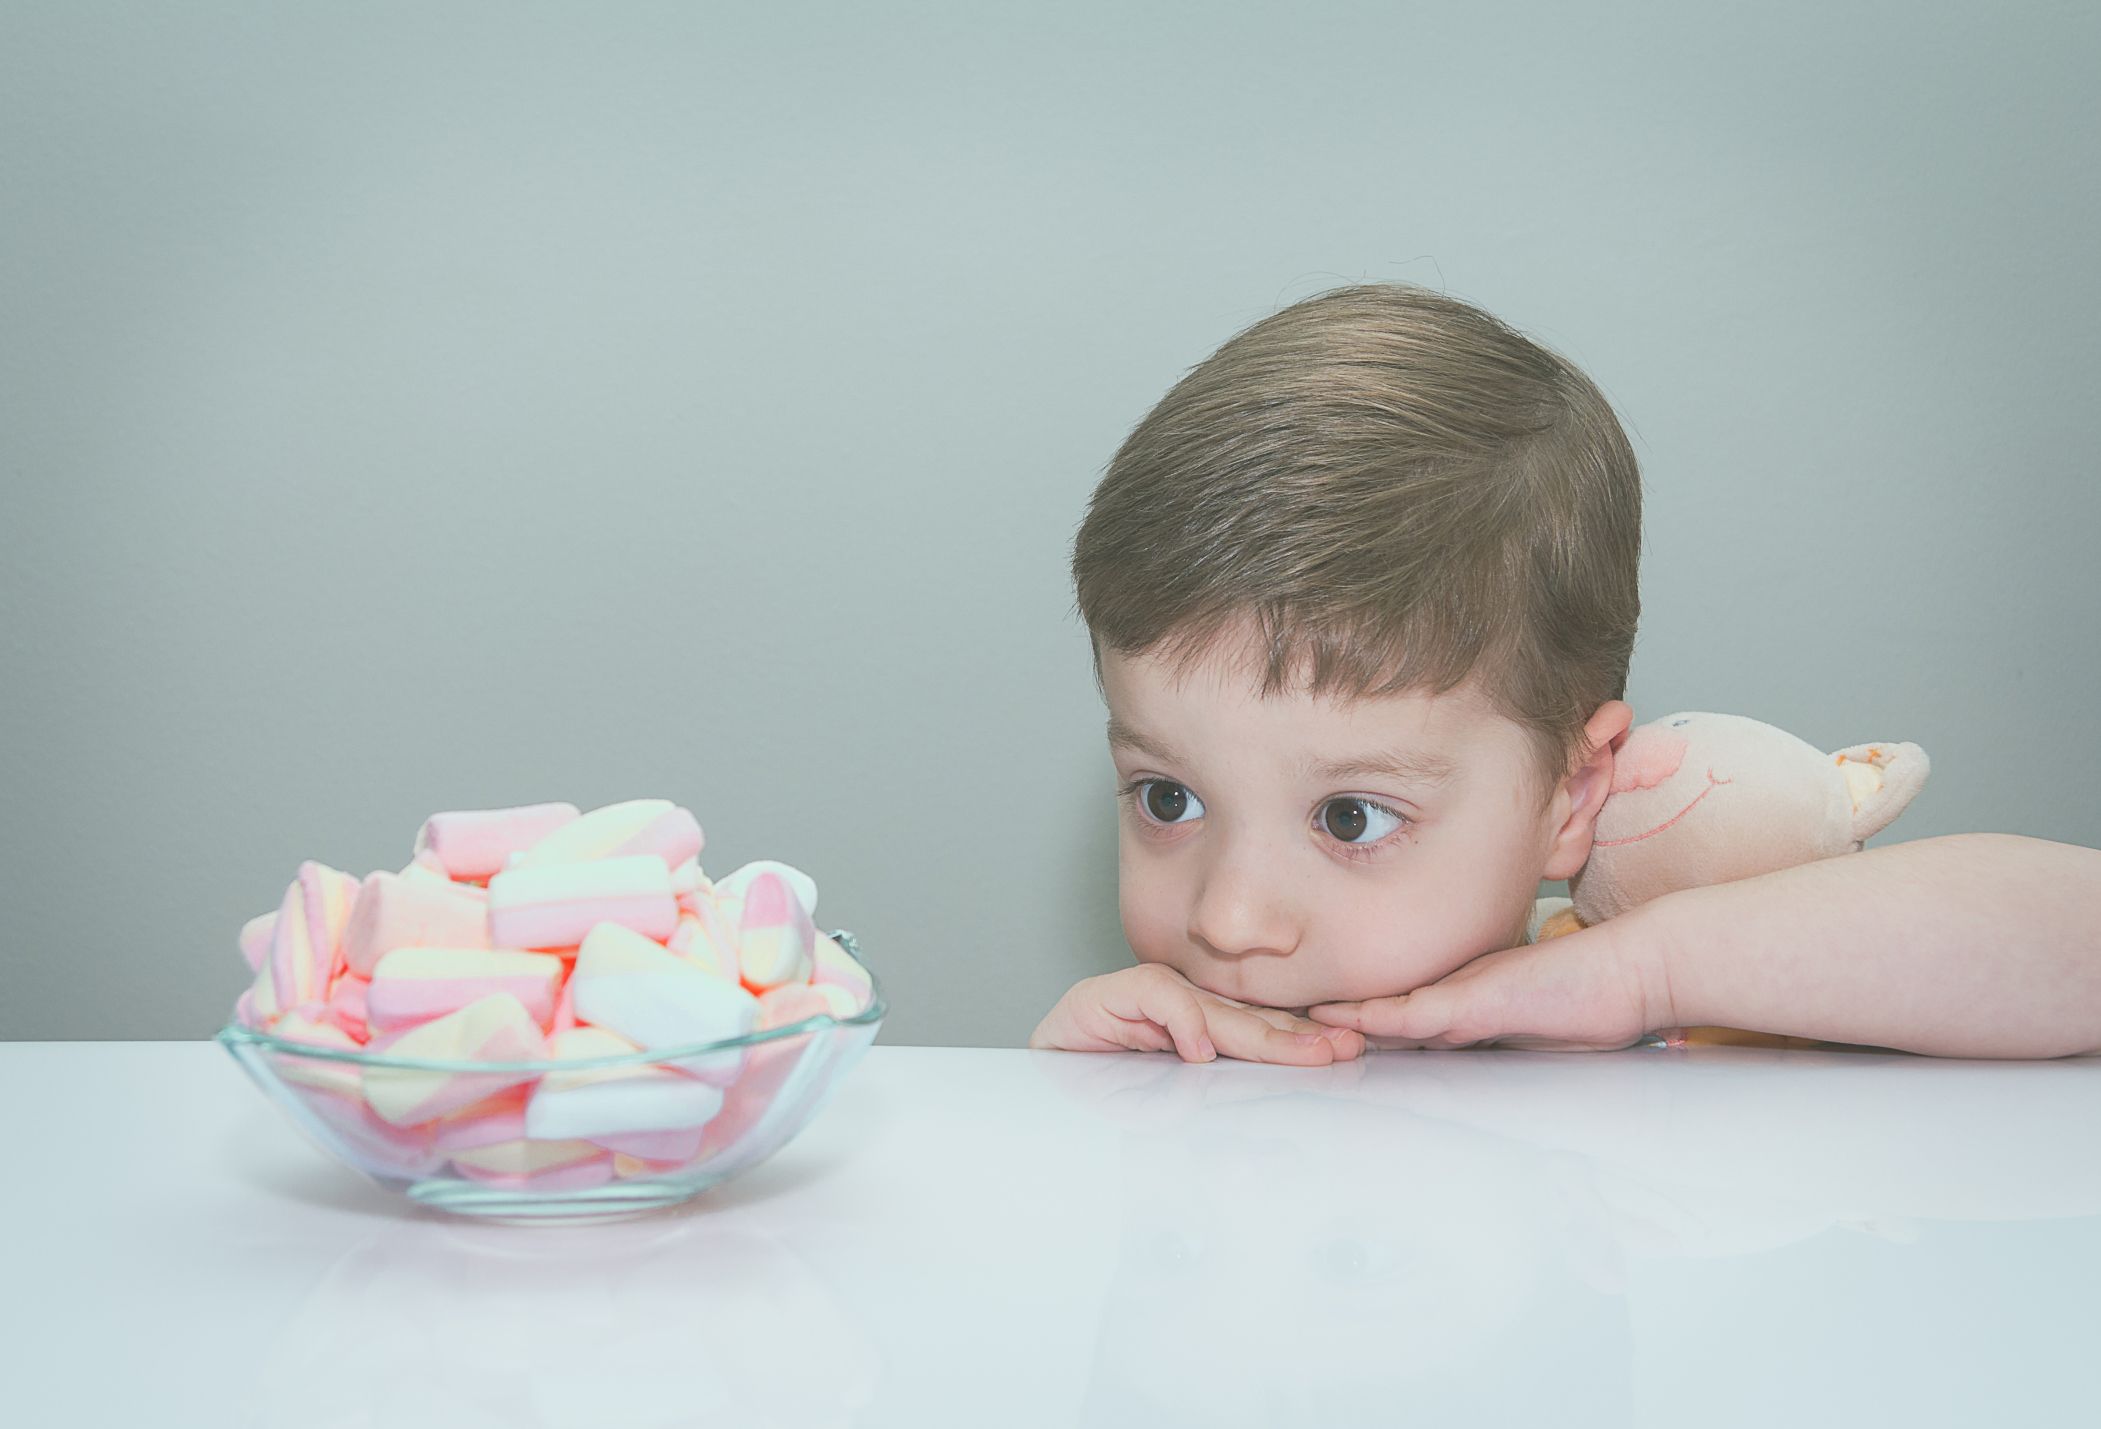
point(1129, 737)
point(1414, 766)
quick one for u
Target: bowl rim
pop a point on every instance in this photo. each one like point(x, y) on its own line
point(235, 1035)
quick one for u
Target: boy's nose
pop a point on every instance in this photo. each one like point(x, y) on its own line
point(1238, 912)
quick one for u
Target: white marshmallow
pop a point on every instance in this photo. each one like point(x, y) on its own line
point(654, 998)
point(601, 1101)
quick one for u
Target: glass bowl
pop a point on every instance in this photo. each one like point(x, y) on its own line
point(477, 1161)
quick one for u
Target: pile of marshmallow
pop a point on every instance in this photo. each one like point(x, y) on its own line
point(544, 933)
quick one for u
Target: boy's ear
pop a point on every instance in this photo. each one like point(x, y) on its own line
point(1577, 803)
point(1605, 734)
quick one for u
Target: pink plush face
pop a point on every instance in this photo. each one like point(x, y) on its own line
point(1702, 798)
point(1654, 787)
point(1259, 865)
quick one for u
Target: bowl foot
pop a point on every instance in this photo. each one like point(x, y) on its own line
point(619, 1202)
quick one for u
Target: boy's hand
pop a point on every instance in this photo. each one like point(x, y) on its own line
point(1589, 991)
point(1153, 1008)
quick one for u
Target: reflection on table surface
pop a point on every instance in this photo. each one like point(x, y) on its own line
point(655, 1322)
point(1457, 1233)
point(1055, 1238)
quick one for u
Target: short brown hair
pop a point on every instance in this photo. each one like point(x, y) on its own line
point(1400, 492)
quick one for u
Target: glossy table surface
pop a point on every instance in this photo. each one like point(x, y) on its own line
point(990, 1237)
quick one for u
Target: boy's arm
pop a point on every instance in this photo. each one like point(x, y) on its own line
point(1971, 945)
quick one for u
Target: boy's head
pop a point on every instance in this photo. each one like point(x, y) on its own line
point(1377, 523)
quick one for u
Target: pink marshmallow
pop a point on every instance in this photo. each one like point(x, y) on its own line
point(631, 1167)
point(375, 1144)
point(499, 1119)
point(674, 836)
point(413, 985)
point(836, 967)
point(305, 941)
point(346, 1006)
point(255, 939)
point(557, 906)
point(838, 1001)
point(655, 827)
point(475, 843)
point(495, 1029)
point(541, 1165)
point(575, 1176)
point(303, 1024)
point(790, 1003)
point(707, 938)
point(667, 1148)
point(425, 868)
point(776, 940)
point(746, 1105)
point(395, 911)
point(731, 887)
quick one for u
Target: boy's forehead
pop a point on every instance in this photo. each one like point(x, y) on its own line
point(1154, 706)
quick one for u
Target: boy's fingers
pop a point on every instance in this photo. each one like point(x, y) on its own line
point(1276, 1017)
point(1141, 1036)
point(1239, 1033)
point(1415, 1016)
point(1166, 1000)
point(1346, 1042)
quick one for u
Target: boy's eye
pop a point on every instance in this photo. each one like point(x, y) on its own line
point(1169, 803)
point(1351, 819)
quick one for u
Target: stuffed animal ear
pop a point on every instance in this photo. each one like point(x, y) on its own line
point(1883, 779)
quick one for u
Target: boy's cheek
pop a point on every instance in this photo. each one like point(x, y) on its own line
point(1156, 925)
point(1147, 927)
point(1376, 947)
point(1405, 950)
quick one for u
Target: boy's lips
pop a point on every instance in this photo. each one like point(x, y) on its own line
point(1231, 986)
point(1712, 784)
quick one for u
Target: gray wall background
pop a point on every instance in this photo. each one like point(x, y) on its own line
point(412, 408)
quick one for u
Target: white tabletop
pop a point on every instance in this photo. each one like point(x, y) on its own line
point(1722, 1235)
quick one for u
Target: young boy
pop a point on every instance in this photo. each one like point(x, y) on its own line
point(1362, 590)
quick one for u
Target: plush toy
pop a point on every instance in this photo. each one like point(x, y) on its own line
point(1702, 798)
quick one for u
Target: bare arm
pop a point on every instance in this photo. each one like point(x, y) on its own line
point(1972, 945)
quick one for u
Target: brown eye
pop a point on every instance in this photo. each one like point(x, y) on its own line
point(1351, 819)
point(1168, 802)
point(1345, 819)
